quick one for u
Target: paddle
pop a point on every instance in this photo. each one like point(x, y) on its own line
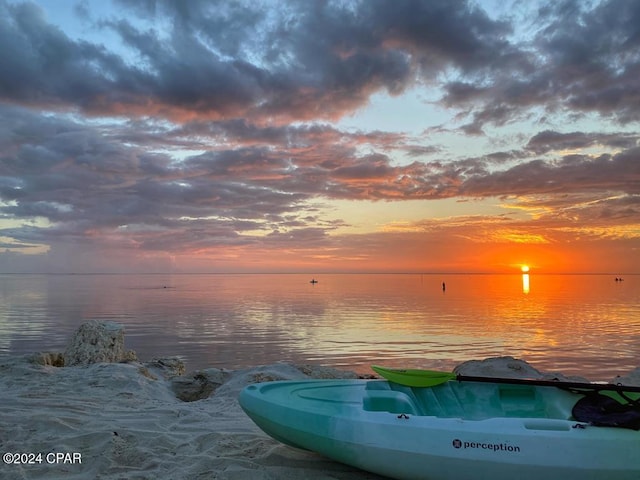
point(432, 378)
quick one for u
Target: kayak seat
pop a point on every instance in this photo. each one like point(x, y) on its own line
point(470, 400)
point(441, 402)
point(480, 401)
point(379, 397)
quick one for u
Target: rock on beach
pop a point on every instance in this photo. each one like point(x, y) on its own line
point(509, 367)
point(97, 342)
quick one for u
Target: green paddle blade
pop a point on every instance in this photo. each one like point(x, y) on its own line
point(414, 377)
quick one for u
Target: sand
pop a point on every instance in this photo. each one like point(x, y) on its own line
point(126, 421)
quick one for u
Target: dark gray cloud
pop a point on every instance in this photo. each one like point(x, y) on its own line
point(218, 59)
point(309, 60)
point(572, 173)
point(549, 140)
point(42, 65)
point(585, 61)
point(323, 59)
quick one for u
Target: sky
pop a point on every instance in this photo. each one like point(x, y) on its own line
point(319, 136)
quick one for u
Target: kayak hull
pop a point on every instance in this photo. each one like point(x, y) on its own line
point(413, 433)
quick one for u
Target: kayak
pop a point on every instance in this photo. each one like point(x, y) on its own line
point(454, 430)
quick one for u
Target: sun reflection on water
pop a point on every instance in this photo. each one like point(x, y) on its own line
point(578, 324)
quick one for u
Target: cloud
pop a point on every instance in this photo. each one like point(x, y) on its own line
point(43, 66)
point(217, 60)
point(312, 60)
point(581, 60)
point(86, 187)
point(572, 173)
point(549, 140)
point(212, 125)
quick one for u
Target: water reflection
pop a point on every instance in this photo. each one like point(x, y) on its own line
point(525, 283)
point(585, 325)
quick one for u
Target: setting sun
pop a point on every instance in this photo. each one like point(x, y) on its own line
point(524, 268)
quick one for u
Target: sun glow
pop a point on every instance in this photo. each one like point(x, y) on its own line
point(524, 268)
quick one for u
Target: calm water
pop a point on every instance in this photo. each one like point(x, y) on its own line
point(578, 324)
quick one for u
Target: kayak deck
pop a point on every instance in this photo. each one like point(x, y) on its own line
point(470, 400)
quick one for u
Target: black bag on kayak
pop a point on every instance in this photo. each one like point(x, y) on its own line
point(604, 411)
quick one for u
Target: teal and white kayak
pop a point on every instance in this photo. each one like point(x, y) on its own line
point(455, 430)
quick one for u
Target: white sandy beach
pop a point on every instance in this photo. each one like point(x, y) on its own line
point(125, 421)
point(126, 425)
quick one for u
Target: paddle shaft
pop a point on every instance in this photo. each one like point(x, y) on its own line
point(551, 383)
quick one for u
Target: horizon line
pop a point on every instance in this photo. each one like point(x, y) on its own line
point(322, 273)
